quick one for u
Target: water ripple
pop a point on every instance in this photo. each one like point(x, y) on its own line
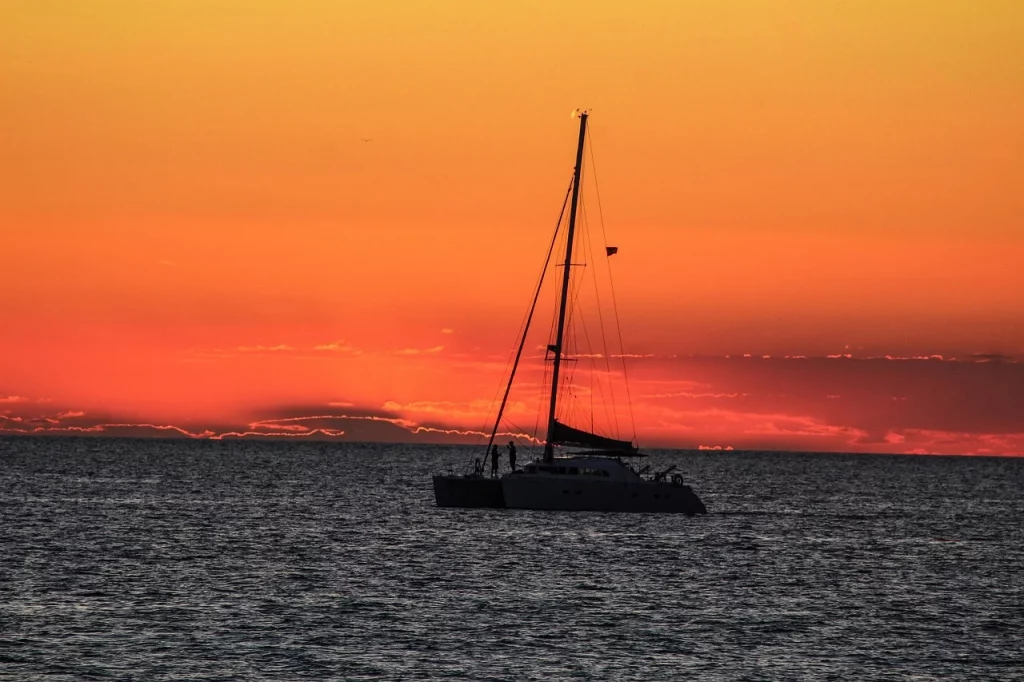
point(165, 560)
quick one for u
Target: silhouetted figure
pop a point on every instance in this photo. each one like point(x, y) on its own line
point(512, 455)
point(494, 460)
point(478, 467)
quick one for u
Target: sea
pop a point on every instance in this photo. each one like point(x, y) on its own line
point(249, 560)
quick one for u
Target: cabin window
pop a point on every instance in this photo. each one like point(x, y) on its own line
point(561, 470)
point(604, 473)
point(574, 470)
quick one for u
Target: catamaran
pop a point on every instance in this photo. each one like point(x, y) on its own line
point(604, 475)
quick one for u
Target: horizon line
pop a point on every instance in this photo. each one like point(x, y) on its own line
point(341, 441)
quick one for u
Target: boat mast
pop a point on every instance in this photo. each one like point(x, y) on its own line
point(549, 445)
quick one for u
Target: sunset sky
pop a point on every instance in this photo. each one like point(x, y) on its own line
point(326, 219)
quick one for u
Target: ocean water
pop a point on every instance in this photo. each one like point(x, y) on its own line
point(160, 560)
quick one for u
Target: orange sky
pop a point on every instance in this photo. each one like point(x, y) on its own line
point(188, 211)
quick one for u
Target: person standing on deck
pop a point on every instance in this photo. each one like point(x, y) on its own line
point(512, 455)
point(494, 460)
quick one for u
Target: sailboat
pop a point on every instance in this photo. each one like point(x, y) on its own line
point(603, 475)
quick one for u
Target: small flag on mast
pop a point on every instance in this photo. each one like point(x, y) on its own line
point(611, 250)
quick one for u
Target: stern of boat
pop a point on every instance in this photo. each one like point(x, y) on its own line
point(468, 492)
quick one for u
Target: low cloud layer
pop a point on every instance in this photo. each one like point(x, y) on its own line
point(904, 405)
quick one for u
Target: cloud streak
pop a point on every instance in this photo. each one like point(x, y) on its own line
point(889, 403)
point(420, 351)
point(337, 347)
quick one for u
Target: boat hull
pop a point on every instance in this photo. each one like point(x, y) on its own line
point(563, 494)
point(468, 492)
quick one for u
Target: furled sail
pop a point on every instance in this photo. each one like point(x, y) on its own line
point(567, 435)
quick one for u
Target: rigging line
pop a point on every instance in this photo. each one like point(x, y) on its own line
point(518, 428)
point(545, 373)
point(600, 320)
point(539, 402)
point(546, 364)
point(585, 241)
point(593, 364)
point(593, 373)
point(597, 189)
point(577, 314)
point(592, 391)
point(587, 238)
point(567, 350)
point(569, 347)
point(497, 389)
point(600, 387)
point(540, 398)
point(611, 281)
point(593, 367)
point(576, 288)
point(523, 324)
point(554, 314)
point(526, 329)
point(577, 310)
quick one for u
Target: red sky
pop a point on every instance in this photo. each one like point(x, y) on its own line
point(194, 233)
